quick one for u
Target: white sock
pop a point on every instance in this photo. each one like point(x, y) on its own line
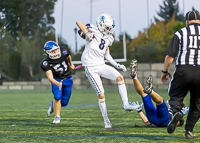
point(103, 108)
point(123, 93)
point(135, 76)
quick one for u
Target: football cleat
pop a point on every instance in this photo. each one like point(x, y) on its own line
point(172, 124)
point(189, 135)
point(149, 85)
point(50, 109)
point(131, 107)
point(56, 120)
point(107, 124)
point(133, 68)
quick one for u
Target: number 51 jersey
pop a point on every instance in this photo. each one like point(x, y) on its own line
point(95, 50)
point(59, 67)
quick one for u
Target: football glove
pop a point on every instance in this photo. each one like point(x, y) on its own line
point(185, 110)
point(121, 67)
point(89, 37)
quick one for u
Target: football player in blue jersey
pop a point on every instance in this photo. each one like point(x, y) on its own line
point(57, 66)
point(156, 116)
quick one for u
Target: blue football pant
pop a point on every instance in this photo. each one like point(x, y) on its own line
point(158, 116)
point(65, 93)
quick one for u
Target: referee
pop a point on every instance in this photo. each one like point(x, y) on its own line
point(185, 50)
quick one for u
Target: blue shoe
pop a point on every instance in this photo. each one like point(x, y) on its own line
point(50, 109)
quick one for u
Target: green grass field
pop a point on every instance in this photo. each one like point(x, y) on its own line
point(23, 119)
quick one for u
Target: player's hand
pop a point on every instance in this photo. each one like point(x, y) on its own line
point(89, 37)
point(164, 77)
point(72, 66)
point(185, 110)
point(121, 67)
point(60, 84)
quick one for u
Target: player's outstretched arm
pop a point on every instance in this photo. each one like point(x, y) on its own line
point(144, 118)
point(112, 62)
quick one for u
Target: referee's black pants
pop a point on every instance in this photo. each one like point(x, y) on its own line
point(186, 78)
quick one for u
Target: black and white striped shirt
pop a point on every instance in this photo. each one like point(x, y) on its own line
point(185, 45)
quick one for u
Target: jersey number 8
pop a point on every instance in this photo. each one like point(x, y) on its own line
point(101, 46)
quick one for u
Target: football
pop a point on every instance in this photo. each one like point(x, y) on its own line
point(81, 34)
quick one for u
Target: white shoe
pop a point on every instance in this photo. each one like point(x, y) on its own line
point(56, 120)
point(50, 109)
point(107, 124)
point(131, 107)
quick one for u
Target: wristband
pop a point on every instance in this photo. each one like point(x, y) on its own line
point(164, 71)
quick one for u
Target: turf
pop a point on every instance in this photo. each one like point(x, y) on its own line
point(23, 119)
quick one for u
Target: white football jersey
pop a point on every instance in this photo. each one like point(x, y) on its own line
point(95, 50)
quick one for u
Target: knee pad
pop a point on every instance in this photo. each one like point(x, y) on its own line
point(101, 100)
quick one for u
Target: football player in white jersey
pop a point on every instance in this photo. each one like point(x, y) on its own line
point(98, 39)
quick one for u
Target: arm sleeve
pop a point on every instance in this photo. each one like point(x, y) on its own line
point(109, 58)
point(173, 48)
point(44, 65)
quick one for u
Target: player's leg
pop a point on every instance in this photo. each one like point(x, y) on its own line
point(149, 90)
point(95, 81)
point(57, 109)
point(133, 73)
point(67, 91)
point(103, 108)
point(111, 73)
point(194, 112)
point(57, 102)
point(50, 109)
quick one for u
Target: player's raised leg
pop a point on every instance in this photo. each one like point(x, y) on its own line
point(133, 74)
point(149, 90)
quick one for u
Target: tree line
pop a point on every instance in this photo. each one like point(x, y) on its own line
point(25, 25)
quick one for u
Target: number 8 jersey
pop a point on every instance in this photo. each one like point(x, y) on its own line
point(95, 50)
point(59, 67)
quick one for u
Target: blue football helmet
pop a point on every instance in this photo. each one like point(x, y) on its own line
point(52, 50)
point(106, 24)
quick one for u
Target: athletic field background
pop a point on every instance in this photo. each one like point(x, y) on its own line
point(23, 119)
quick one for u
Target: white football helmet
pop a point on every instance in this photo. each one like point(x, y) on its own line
point(106, 24)
point(52, 50)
